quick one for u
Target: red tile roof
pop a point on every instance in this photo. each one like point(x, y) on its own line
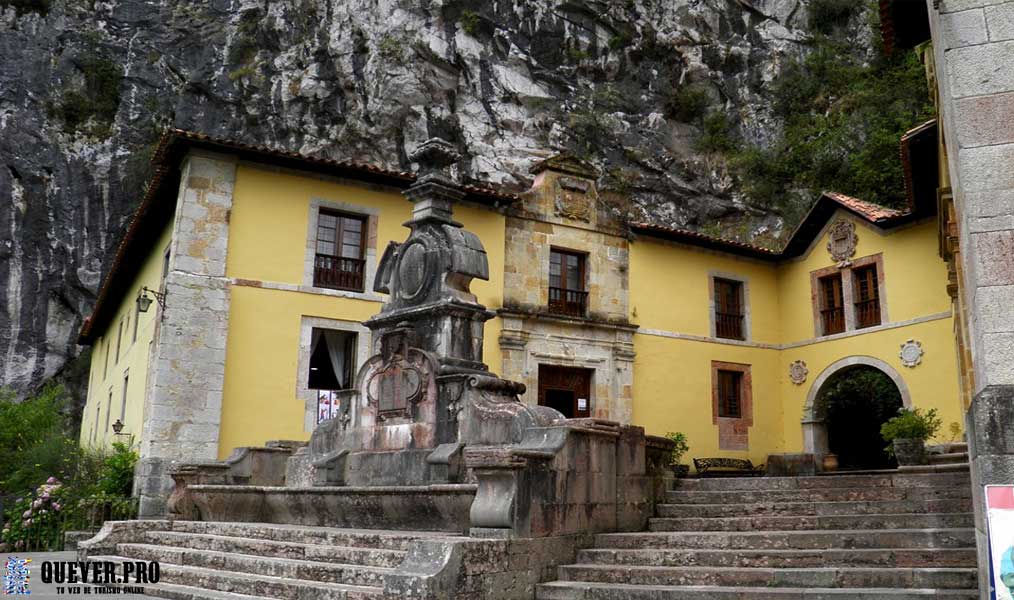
point(872, 212)
point(175, 142)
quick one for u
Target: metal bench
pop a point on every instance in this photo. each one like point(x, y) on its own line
point(727, 467)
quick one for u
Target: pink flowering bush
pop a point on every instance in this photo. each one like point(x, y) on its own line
point(80, 487)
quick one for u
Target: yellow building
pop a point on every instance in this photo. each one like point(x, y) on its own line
point(232, 314)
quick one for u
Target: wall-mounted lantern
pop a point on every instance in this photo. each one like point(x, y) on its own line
point(118, 425)
point(143, 301)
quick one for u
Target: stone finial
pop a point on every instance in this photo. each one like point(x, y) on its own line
point(435, 191)
point(433, 157)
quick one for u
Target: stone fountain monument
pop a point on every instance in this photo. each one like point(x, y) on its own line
point(425, 394)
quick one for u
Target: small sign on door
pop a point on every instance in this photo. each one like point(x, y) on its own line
point(582, 404)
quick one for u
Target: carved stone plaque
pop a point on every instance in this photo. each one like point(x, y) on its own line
point(571, 205)
point(911, 353)
point(842, 242)
point(798, 372)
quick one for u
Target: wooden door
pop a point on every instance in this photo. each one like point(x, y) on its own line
point(567, 389)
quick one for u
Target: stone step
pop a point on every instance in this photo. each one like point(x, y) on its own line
point(891, 479)
point(683, 496)
point(803, 540)
point(836, 522)
point(245, 563)
point(302, 534)
point(837, 577)
point(949, 458)
point(784, 558)
point(186, 592)
point(349, 555)
point(816, 508)
point(575, 590)
point(936, 468)
point(256, 584)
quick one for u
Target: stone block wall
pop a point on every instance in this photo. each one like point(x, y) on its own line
point(183, 403)
point(973, 45)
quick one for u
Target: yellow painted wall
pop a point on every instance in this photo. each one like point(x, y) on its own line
point(105, 378)
point(915, 277)
point(669, 289)
point(672, 375)
point(267, 243)
point(672, 392)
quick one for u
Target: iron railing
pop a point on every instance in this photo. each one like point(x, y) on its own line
point(833, 320)
point(568, 302)
point(867, 313)
point(338, 272)
point(729, 325)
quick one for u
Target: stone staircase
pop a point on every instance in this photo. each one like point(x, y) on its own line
point(891, 535)
point(235, 561)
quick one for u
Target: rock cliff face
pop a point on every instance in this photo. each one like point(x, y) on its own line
point(85, 86)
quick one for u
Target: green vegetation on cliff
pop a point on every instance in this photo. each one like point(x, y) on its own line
point(843, 124)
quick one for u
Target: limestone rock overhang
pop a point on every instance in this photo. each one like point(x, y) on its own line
point(158, 204)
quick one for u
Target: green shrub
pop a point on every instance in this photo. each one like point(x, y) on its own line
point(391, 48)
point(911, 424)
point(717, 134)
point(51, 484)
point(97, 101)
point(470, 22)
point(688, 105)
point(244, 45)
point(33, 440)
point(825, 16)
point(117, 475)
point(843, 122)
point(681, 446)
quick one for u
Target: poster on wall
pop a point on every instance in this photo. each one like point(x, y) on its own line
point(1000, 519)
point(323, 405)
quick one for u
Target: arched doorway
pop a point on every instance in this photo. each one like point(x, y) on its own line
point(845, 407)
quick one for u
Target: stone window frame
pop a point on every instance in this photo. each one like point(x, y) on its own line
point(848, 293)
point(371, 215)
point(731, 429)
point(747, 321)
point(306, 326)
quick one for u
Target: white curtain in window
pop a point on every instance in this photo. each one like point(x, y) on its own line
point(336, 352)
point(315, 337)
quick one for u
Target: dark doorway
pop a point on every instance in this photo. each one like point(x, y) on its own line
point(565, 389)
point(854, 403)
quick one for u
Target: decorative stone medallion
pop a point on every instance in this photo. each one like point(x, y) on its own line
point(842, 242)
point(572, 201)
point(911, 353)
point(798, 372)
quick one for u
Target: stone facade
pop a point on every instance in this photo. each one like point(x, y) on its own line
point(973, 46)
point(563, 210)
point(183, 404)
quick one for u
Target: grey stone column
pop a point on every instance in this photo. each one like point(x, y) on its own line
point(973, 44)
point(183, 402)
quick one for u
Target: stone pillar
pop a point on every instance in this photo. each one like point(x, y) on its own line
point(973, 44)
point(183, 402)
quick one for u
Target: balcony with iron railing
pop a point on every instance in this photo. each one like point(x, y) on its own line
point(833, 320)
point(338, 272)
point(572, 303)
point(867, 313)
point(729, 325)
